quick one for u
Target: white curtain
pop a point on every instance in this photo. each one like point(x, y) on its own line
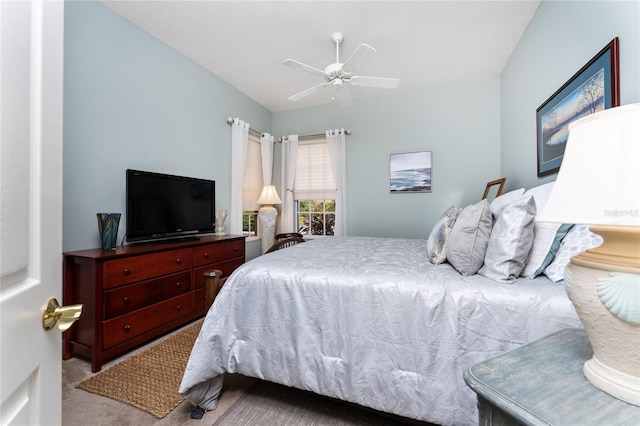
point(336, 142)
point(289, 155)
point(266, 148)
point(239, 140)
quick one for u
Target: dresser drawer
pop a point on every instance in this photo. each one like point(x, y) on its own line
point(124, 299)
point(226, 267)
point(120, 329)
point(199, 300)
point(138, 292)
point(210, 253)
point(137, 268)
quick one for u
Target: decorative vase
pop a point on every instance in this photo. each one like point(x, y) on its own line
point(108, 228)
point(221, 216)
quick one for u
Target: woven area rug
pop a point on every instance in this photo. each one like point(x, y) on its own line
point(148, 380)
point(268, 403)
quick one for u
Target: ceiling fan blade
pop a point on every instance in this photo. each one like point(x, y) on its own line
point(304, 67)
point(308, 92)
point(344, 96)
point(355, 59)
point(379, 82)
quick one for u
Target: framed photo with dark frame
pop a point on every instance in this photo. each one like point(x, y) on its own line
point(595, 87)
point(410, 172)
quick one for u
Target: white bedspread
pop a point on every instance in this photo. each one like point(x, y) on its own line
point(370, 321)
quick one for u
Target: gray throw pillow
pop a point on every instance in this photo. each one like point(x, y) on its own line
point(437, 242)
point(510, 241)
point(468, 240)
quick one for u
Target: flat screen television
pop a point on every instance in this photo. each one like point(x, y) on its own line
point(162, 207)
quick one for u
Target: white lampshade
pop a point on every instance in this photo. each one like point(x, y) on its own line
point(599, 180)
point(269, 195)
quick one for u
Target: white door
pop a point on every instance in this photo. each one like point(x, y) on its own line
point(31, 63)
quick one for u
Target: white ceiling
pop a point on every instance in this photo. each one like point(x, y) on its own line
point(423, 43)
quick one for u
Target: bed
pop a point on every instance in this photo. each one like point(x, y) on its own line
point(369, 321)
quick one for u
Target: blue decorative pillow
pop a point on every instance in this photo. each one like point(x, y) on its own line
point(579, 239)
point(549, 245)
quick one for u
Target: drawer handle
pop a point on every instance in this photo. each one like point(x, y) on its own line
point(127, 272)
point(179, 261)
point(178, 284)
point(179, 308)
point(206, 255)
point(127, 301)
point(235, 249)
point(127, 328)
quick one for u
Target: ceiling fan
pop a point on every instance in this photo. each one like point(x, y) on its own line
point(340, 74)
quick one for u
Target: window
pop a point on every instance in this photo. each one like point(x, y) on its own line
point(251, 187)
point(316, 217)
point(315, 190)
point(250, 223)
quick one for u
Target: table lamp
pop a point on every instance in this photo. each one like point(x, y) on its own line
point(599, 184)
point(267, 216)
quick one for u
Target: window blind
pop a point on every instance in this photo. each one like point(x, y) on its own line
point(252, 178)
point(314, 179)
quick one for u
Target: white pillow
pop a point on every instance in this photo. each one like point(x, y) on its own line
point(546, 243)
point(541, 194)
point(510, 241)
point(437, 242)
point(505, 199)
point(544, 234)
point(579, 239)
point(468, 240)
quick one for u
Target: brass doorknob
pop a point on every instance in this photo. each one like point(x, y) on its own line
point(64, 316)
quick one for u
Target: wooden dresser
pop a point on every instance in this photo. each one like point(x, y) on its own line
point(136, 293)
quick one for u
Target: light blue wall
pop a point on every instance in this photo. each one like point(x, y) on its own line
point(133, 102)
point(459, 124)
point(130, 101)
point(561, 39)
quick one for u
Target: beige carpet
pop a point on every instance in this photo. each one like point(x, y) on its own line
point(268, 403)
point(242, 398)
point(148, 380)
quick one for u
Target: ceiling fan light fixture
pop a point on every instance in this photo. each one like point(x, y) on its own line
point(338, 74)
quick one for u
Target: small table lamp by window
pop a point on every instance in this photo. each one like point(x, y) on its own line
point(267, 216)
point(599, 184)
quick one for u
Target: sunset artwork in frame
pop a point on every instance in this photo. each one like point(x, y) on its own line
point(595, 87)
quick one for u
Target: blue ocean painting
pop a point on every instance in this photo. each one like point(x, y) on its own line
point(584, 100)
point(410, 172)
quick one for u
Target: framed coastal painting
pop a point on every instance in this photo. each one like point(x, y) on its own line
point(410, 172)
point(595, 87)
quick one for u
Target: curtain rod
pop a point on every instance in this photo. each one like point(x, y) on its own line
point(309, 137)
point(282, 139)
point(252, 131)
